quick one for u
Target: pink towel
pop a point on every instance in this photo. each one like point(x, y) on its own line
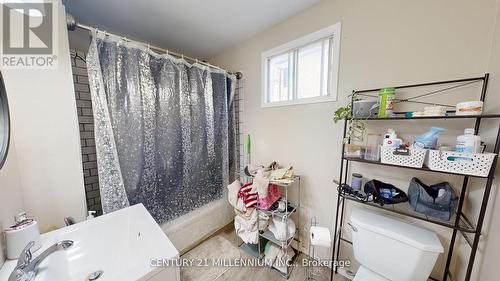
point(248, 196)
point(273, 194)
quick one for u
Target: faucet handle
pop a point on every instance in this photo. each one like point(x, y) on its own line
point(26, 255)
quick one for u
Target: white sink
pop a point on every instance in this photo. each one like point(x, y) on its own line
point(120, 244)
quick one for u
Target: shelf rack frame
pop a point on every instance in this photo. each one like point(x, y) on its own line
point(257, 250)
point(474, 229)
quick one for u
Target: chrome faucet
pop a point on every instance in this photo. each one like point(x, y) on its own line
point(27, 268)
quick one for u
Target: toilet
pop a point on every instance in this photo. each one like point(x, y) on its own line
point(389, 249)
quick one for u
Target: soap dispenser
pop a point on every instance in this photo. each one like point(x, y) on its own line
point(91, 215)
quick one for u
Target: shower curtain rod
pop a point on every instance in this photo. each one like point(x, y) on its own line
point(72, 24)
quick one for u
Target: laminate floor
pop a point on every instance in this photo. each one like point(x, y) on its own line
point(224, 246)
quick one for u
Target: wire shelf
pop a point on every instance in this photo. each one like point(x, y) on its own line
point(424, 168)
point(406, 209)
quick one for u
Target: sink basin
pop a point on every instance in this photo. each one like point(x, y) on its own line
point(117, 246)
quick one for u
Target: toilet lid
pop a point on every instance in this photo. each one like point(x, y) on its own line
point(396, 229)
point(364, 274)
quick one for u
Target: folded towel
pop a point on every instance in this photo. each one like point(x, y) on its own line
point(232, 192)
point(248, 195)
point(261, 182)
point(282, 173)
point(246, 226)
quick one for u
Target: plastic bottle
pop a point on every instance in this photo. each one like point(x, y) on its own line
point(386, 98)
point(429, 139)
point(91, 215)
point(391, 139)
point(356, 181)
point(468, 142)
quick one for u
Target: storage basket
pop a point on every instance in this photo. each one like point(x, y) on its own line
point(408, 157)
point(474, 164)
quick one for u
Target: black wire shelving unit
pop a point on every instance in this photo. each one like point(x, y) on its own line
point(459, 223)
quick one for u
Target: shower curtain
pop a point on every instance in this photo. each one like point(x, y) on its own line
point(163, 128)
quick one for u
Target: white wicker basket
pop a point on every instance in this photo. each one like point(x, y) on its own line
point(474, 164)
point(413, 158)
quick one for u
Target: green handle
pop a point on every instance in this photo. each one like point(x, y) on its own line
point(248, 144)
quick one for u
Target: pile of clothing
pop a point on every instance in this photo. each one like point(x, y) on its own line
point(244, 199)
point(262, 193)
point(270, 174)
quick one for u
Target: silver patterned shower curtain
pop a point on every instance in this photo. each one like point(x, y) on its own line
point(164, 129)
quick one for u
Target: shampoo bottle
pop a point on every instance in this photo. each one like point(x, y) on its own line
point(91, 215)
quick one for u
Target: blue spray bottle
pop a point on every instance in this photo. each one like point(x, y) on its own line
point(429, 139)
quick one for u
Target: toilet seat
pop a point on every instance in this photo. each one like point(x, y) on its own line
point(364, 274)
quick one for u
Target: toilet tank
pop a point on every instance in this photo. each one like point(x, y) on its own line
point(392, 248)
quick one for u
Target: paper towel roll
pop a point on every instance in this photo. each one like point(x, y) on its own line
point(17, 237)
point(320, 236)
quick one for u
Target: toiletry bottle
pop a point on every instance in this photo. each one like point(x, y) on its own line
point(386, 101)
point(356, 181)
point(468, 142)
point(91, 215)
point(17, 236)
point(429, 139)
point(391, 139)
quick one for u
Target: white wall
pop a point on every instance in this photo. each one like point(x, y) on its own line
point(11, 199)
point(45, 167)
point(383, 43)
point(490, 242)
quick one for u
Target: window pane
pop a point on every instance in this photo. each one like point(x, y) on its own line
point(279, 78)
point(326, 67)
point(312, 70)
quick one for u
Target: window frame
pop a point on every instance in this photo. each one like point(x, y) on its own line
point(334, 32)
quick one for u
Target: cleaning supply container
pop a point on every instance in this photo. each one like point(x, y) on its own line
point(389, 249)
point(391, 139)
point(364, 108)
point(402, 156)
point(468, 142)
point(386, 101)
point(473, 164)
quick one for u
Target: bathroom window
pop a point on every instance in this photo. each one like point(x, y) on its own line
point(302, 71)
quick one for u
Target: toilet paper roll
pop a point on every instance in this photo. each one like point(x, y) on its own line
point(320, 236)
point(18, 236)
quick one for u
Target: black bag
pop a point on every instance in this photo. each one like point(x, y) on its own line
point(385, 193)
point(427, 199)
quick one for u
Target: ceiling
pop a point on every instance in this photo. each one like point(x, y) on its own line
point(199, 28)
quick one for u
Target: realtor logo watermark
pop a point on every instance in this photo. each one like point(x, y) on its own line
point(29, 35)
